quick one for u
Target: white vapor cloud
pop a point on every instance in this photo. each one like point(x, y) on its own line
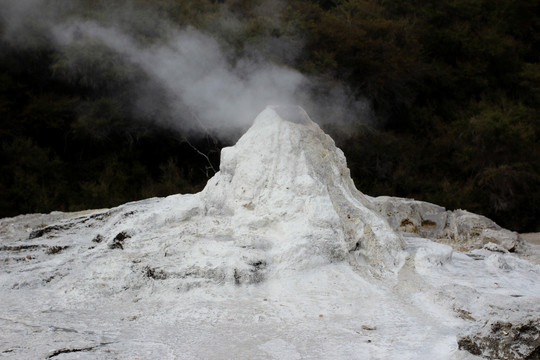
point(205, 89)
point(198, 77)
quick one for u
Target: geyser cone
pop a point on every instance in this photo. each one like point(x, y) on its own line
point(286, 178)
point(283, 201)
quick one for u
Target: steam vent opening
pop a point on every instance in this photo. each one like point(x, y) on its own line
point(292, 113)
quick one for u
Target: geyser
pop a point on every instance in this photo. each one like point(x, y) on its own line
point(278, 252)
point(282, 201)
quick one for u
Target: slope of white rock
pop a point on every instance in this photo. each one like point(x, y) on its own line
point(279, 257)
point(286, 181)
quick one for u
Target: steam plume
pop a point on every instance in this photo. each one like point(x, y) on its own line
point(205, 89)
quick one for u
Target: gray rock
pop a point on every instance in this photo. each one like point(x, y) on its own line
point(460, 229)
point(505, 340)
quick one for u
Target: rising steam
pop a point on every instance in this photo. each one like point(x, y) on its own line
point(204, 88)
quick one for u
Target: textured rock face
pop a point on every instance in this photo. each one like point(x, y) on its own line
point(460, 229)
point(505, 340)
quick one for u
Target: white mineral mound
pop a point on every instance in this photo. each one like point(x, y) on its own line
point(279, 257)
point(285, 182)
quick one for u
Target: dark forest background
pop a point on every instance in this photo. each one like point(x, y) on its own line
point(454, 86)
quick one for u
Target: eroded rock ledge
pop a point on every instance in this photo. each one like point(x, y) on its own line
point(460, 229)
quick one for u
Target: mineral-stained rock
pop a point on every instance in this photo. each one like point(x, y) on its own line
point(505, 340)
point(460, 229)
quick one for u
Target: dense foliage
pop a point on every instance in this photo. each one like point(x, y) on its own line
point(455, 85)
